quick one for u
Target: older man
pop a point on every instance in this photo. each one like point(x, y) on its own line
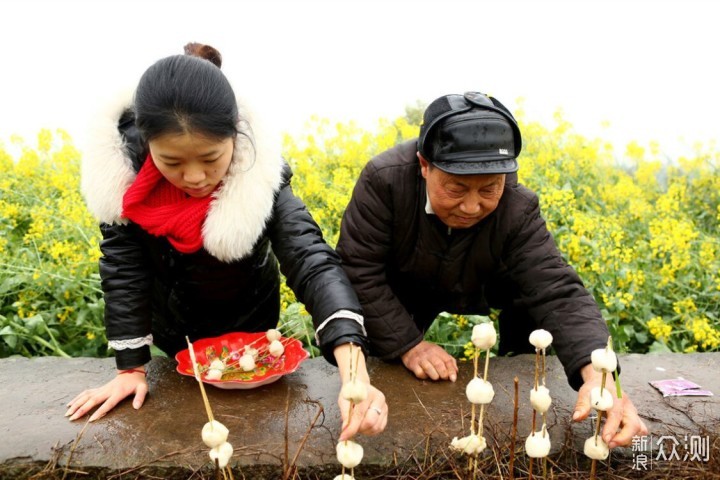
point(441, 224)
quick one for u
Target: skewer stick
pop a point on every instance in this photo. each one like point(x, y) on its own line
point(352, 377)
point(472, 408)
point(600, 412)
point(487, 364)
point(197, 377)
point(516, 405)
point(544, 414)
point(482, 406)
point(357, 362)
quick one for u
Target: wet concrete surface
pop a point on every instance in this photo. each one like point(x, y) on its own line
point(423, 414)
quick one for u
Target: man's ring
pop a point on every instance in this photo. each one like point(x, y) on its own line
point(379, 412)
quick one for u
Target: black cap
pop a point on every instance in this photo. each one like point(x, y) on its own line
point(470, 134)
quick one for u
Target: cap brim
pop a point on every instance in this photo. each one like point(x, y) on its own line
point(481, 167)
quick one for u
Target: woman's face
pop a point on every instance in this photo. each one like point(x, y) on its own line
point(191, 162)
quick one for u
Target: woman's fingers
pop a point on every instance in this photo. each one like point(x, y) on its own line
point(108, 396)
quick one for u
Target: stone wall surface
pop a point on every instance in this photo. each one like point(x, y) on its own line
point(270, 426)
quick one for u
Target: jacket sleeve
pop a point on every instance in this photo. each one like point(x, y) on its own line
point(126, 284)
point(313, 271)
point(365, 245)
point(552, 293)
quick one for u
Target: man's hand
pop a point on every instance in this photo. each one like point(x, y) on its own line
point(427, 360)
point(623, 414)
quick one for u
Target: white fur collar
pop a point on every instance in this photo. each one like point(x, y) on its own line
point(240, 209)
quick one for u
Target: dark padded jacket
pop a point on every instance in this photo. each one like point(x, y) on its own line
point(407, 267)
point(232, 283)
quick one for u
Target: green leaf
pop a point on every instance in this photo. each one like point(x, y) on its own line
point(659, 347)
point(9, 336)
point(35, 323)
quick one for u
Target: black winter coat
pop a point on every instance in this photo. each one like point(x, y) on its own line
point(407, 267)
point(232, 283)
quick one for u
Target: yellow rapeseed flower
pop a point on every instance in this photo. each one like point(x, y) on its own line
point(705, 335)
point(658, 328)
point(685, 306)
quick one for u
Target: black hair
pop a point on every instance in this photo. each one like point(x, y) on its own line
point(182, 94)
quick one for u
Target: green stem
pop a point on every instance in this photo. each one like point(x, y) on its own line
point(47, 344)
point(57, 348)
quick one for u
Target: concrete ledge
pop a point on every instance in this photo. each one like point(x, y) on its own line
point(271, 425)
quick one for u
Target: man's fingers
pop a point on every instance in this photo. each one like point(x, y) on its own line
point(419, 372)
point(632, 425)
point(441, 368)
point(452, 368)
point(612, 422)
point(582, 407)
point(429, 369)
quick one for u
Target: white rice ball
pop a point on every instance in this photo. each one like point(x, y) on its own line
point(540, 399)
point(604, 360)
point(483, 336)
point(349, 453)
point(354, 391)
point(276, 348)
point(247, 363)
point(602, 402)
point(596, 448)
point(222, 453)
point(214, 434)
point(537, 445)
point(479, 391)
point(273, 334)
point(541, 339)
point(470, 445)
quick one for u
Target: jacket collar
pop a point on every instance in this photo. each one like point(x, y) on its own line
point(241, 206)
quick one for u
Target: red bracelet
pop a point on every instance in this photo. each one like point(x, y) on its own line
point(133, 370)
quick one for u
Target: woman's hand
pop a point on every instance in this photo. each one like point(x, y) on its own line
point(368, 417)
point(109, 395)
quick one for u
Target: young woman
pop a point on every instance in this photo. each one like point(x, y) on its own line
point(196, 210)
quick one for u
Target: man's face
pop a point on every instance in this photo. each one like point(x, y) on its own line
point(461, 201)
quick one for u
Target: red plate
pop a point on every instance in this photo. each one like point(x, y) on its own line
point(230, 347)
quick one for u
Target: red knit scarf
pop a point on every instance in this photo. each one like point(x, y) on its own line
point(164, 210)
